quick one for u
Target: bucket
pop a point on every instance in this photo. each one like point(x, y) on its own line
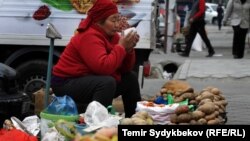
point(48, 121)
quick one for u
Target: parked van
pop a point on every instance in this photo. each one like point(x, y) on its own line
point(24, 47)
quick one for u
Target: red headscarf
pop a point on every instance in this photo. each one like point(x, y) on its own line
point(100, 10)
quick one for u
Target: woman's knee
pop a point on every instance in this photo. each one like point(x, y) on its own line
point(130, 77)
point(108, 82)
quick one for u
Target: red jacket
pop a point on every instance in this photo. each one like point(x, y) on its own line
point(198, 10)
point(93, 52)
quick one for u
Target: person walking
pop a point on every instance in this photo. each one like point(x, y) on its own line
point(97, 63)
point(239, 13)
point(197, 25)
point(220, 12)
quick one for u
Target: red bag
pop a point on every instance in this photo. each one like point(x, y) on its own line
point(15, 135)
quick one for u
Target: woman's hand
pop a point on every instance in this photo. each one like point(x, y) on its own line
point(129, 41)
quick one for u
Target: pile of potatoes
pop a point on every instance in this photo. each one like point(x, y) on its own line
point(180, 96)
point(139, 118)
point(210, 108)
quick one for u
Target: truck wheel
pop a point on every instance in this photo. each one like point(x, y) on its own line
point(32, 76)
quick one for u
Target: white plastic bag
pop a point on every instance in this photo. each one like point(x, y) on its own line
point(97, 116)
point(197, 43)
point(30, 124)
point(53, 135)
point(160, 110)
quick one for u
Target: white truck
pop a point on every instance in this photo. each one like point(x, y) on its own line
point(24, 47)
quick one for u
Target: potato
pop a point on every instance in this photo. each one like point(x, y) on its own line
point(203, 101)
point(178, 99)
point(209, 88)
point(149, 121)
point(138, 121)
point(213, 122)
point(207, 94)
point(217, 97)
point(216, 113)
point(221, 104)
point(224, 102)
point(178, 93)
point(189, 96)
point(143, 114)
point(184, 118)
point(202, 121)
point(207, 108)
point(217, 107)
point(184, 123)
point(222, 97)
point(163, 90)
point(196, 115)
point(193, 122)
point(181, 109)
point(198, 98)
point(221, 111)
point(196, 94)
point(211, 116)
point(126, 121)
point(193, 102)
point(173, 118)
point(215, 91)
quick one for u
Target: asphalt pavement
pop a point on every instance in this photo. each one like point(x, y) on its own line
point(231, 76)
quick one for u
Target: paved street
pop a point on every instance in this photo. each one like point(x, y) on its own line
point(231, 76)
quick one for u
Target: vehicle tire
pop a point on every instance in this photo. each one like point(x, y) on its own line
point(32, 76)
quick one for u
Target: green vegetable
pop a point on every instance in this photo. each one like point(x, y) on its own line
point(64, 5)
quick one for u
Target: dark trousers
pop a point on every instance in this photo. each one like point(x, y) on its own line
point(239, 39)
point(197, 27)
point(219, 21)
point(102, 89)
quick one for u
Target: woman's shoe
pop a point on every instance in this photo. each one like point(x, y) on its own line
point(211, 54)
point(237, 57)
point(183, 54)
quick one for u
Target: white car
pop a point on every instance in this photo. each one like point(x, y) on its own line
point(211, 13)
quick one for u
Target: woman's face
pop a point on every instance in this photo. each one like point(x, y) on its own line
point(111, 24)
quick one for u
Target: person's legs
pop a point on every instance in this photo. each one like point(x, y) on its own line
point(87, 89)
point(130, 91)
point(203, 34)
point(219, 22)
point(189, 39)
point(236, 42)
point(242, 39)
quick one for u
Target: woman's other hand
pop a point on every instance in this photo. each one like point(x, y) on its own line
point(129, 41)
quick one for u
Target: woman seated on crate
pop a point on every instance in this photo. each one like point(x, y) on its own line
point(97, 62)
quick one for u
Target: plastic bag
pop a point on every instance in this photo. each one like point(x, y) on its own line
point(62, 106)
point(53, 135)
point(197, 44)
point(97, 116)
point(30, 125)
point(156, 108)
point(16, 135)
